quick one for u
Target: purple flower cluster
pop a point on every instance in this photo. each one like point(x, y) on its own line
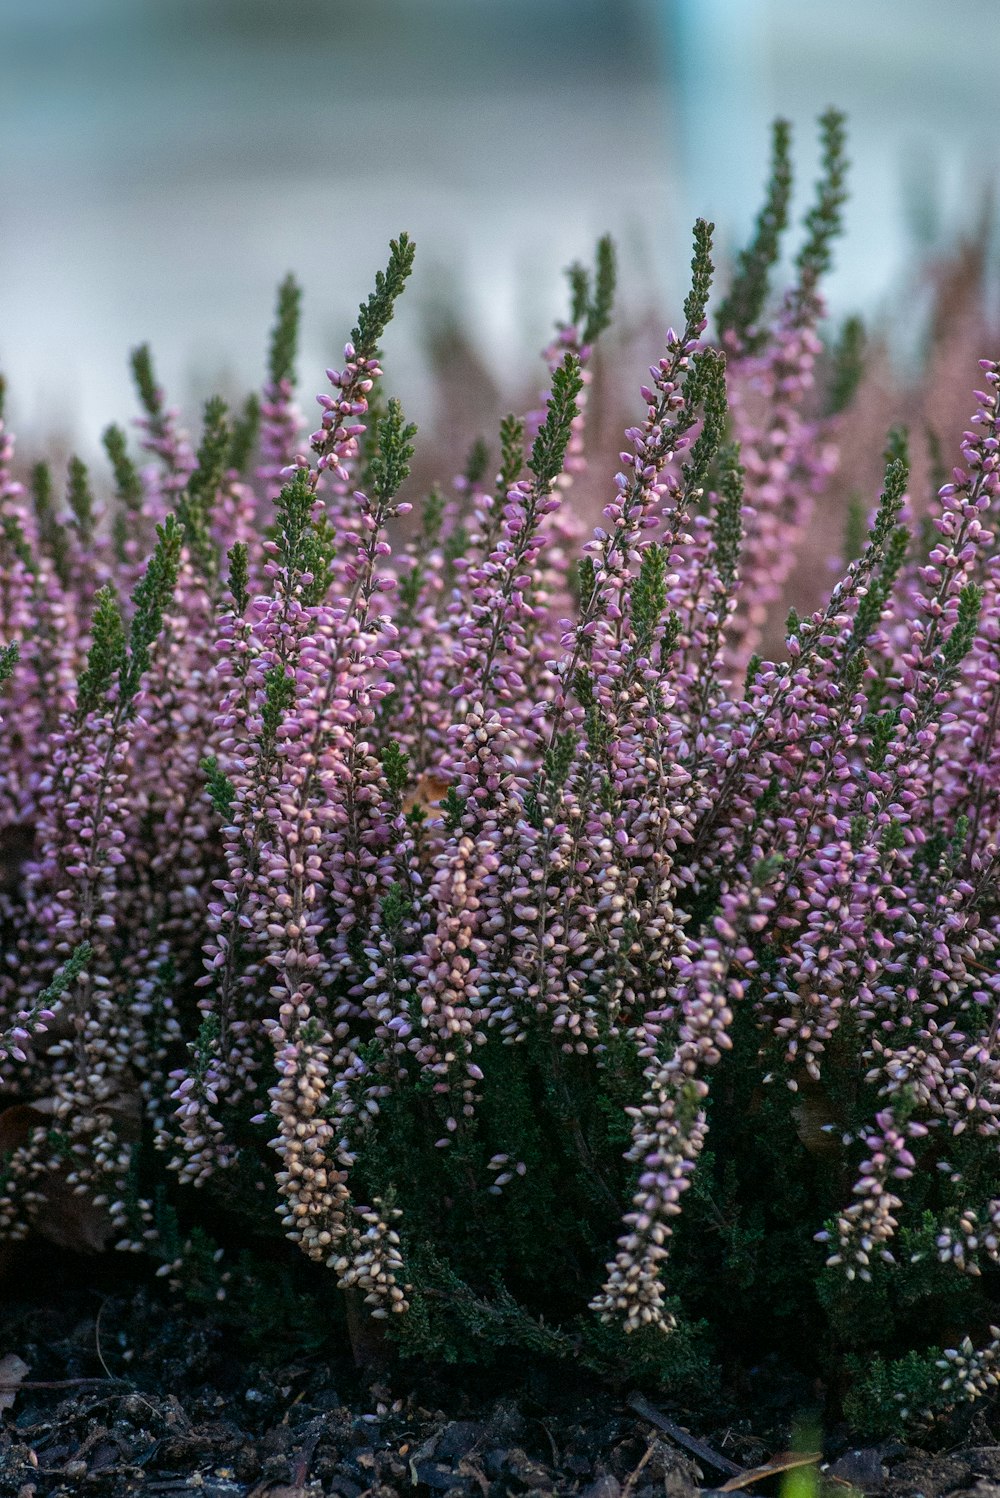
point(379, 793)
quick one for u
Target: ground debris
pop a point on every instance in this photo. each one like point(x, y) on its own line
point(186, 1415)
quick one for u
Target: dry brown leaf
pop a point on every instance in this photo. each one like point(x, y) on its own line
point(16, 1125)
point(426, 794)
point(61, 1217)
point(17, 843)
point(813, 1117)
point(784, 1461)
point(69, 1221)
point(13, 1371)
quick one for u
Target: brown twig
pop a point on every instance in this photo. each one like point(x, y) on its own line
point(469, 1468)
point(58, 1383)
point(683, 1437)
point(630, 1479)
point(306, 1452)
point(552, 1444)
point(97, 1338)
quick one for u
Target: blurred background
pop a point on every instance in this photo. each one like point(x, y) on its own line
point(165, 162)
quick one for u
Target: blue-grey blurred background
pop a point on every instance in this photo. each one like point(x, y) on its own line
point(164, 162)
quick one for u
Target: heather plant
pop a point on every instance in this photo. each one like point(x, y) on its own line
point(458, 894)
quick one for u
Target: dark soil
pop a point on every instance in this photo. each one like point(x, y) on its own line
point(128, 1394)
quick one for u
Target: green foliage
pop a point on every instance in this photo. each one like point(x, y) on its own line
point(395, 908)
point(963, 632)
point(702, 271)
point(80, 499)
point(887, 545)
point(891, 1308)
point(824, 221)
point(452, 809)
point(893, 838)
point(196, 503)
point(409, 589)
point(590, 309)
point(41, 495)
point(586, 583)
point(741, 311)
point(727, 521)
point(395, 767)
point(855, 528)
point(369, 440)
point(318, 553)
point(888, 1394)
point(285, 334)
point(939, 468)
point(556, 765)
point(279, 694)
point(455, 1324)
point(221, 791)
point(558, 758)
point(883, 730)
point(595, 724)
point(265, 1306)
point(239, 576)
point(897, 447)
point(450, 1321)
point(75, 964)
point(579, 285)
point(605, 277)
point(246, 428)
point(128, 486)
point(107, 655)
point(649, 598)
point(149, 393)
point(12, 533)
point(8, 660)
point(205, 1047)
point(467, 1251)
point(51, 533)
point(485, 1283)
point(390, 467)
point(897, 476)
point(432, 518)
point(150, 599)
point(670, 636)
point(848, 366)
point(375, 315)
point(294, 507)
point(477, 463)
point(706, 387)
point(511, 453)
point(549, 449)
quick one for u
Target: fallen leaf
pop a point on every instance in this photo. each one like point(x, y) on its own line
point(17, 843)
point(57, 1214)
point(16, 1125)
point(69, 1221)
point(813, 1117)
point(785, 1461)
point(426, 794)
point(13, 1370)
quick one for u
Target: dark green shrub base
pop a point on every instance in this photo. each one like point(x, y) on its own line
point(749, 1286)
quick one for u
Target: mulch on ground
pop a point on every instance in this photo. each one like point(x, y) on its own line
point(128, 1395)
